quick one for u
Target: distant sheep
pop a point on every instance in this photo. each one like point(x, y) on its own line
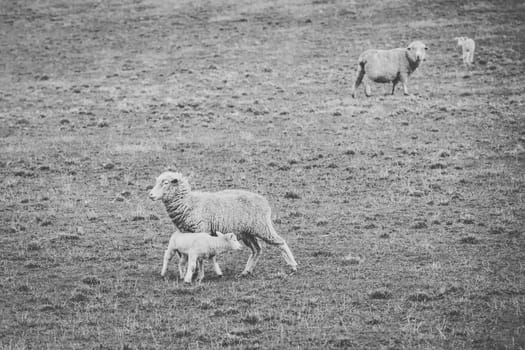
point(385, 66)
point(467, 46)
point(244, 213)
point(194, 248)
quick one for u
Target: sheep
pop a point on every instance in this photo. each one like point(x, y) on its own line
point(194, 248)
point(384, 66)
point(467, 46)
point(244, 213)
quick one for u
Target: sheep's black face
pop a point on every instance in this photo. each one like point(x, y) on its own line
point(167, 183)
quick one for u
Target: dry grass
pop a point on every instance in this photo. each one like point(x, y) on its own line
point(405, 213)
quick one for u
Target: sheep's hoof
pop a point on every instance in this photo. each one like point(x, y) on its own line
point(245, 274)
point(187, 283)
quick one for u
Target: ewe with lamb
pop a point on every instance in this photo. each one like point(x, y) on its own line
point(244, 213)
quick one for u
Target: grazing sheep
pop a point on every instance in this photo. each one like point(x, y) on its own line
point(194, 248)
point(467, 46)
point(244, 213)
point(385, 66)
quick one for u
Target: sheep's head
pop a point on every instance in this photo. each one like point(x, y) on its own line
point(230, 239)
point(168, 184)
point(417, 51)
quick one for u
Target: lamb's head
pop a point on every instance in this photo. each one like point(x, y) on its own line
point(230, 239)
point(460, 40)
point(168, 185)
point(416, 52)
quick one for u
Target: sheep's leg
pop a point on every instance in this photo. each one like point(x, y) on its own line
point(192, 264)
point(288, 256)
point(183, 260)
point(275, 239)
point(394, 83)
point(254, 257)
point(404, 81)
point(200, 268)
point(368, 91)
point(216, 266)
point(247, 269)
point(359, 78)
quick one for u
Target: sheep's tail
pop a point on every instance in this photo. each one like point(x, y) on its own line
point(360, 74)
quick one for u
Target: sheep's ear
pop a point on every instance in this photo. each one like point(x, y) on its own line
point(230, 236)
point(219, 234)
point(175, 181)
point(409, 48)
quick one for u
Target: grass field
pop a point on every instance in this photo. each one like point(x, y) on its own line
point(406, 214)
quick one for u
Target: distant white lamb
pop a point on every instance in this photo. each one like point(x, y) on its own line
point(385, 66)
point(467, 46)
point(244, 213)
point(193, 248)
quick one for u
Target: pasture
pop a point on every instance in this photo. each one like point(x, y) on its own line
point(405, 214)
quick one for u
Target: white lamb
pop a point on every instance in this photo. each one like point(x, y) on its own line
point(194, 248)
point(244, 213)
point(467, 46)
point(385, 66)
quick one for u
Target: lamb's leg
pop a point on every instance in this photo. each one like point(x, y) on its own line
point(200, 268)
point(183, 262)
point(465, 57)
point(192, 264)
point(216, 266)
point(359, 78)
point(168, 254)
point(256, 253)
